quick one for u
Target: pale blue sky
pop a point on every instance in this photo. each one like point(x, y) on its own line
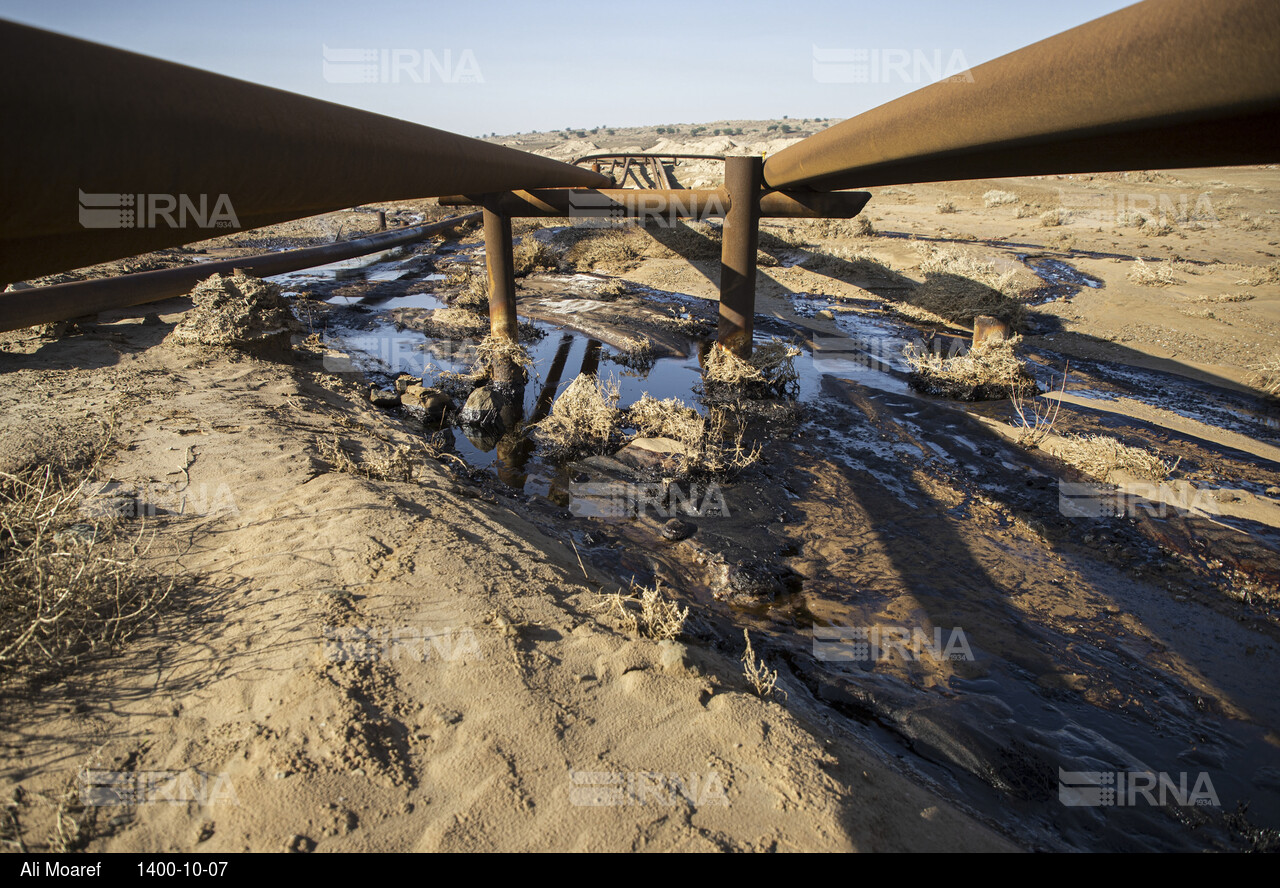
point(551, 64)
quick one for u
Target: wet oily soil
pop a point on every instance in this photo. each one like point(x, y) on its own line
point(910, 569)
point(1081, 645)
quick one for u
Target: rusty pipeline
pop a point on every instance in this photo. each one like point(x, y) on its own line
point(1161, 84)
point(113, 128)
point(679, 203)
point(61, 302)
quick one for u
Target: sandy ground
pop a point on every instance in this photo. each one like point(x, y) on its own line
point(417, 665)
point(370, 665)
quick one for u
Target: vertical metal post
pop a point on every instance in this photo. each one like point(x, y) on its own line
point(382, 220)
point(500, 265)
point(742, 179)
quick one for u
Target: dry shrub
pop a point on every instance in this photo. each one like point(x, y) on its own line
point(69, 590)
point(1099, 455)
point(618, 249)
point(769, 371)
point(1026, 211)
point(958, 288)
point(1155, 275)
point(1055, 218)
point(584, 419)
point(532, 255)
point(1266, 376)
point(996, 198)
point(645, 612)
point(671, 418)
point(710, 450)
point(695, 241)
point(948, 207)
point(1260, 275)
point(989, 371)
point(763, 680)
point(493, 351)
point(473, 292)
point(393, 464)
point(837, 262)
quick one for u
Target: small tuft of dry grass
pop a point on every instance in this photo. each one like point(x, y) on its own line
point(1100, 455)
point(493, 351)
point(1266, 376)
point(769, 371)
point(645, 612)
point(532, 255)
point(1260, 275)
point(989, 371)
point(763, 680)
point(473, 293)
point(995, 198)
point(1036, 421)
point(947, 207)
point(1154, 275)
point(393, 464)
point(584, 419)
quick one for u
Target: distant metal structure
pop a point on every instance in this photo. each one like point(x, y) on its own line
point(654, 165)
point(1161, 84)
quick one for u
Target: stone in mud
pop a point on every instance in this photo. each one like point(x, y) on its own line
point(652, 453)
point(756, 581)
point(825, 315)
point(675, 529)
point(403, 381)
point(383, 398)
point(484, 408)
point(432, 401)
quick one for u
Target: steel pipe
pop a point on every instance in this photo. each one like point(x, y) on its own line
point(1161, 84)
point(42, 305)
point(106, 126)
point(680, 203)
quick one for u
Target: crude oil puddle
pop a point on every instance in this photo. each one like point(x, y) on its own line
point(1053, 674)
point(1062, 280)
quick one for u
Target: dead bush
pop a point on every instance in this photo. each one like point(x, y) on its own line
point(72, 585)
point(584, 419)
point(1100, 455)
point(989, 371)
point(769, 372)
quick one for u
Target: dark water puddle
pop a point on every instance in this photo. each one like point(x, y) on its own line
point(1062, 281)
point(1203, 402)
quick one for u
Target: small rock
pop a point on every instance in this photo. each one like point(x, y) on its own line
point(299, 844)
point(484, 407)
point(432, 401)
point(651, 453)
point(403, 381)
point(756, 581)
point(382, 398)
point(675, 529)
point(826, 315)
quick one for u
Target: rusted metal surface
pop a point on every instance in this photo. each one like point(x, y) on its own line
point(1161, 84)
point(82, 117)
point(742, 176)
point(666, 156)
point(680, 203)
point(500, 266)
point(61, 302)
